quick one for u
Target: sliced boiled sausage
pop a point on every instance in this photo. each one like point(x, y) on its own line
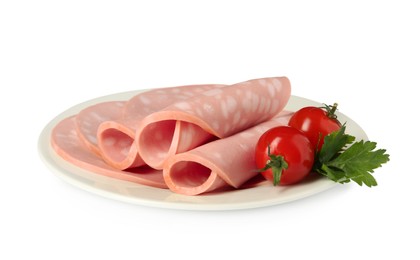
point(216, 113)
point(67, 144)
point(193, 139)
point(115, 137)
point(215, 165)
point(89, 119)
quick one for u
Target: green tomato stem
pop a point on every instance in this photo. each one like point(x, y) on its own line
point(277, 164)
point(331, 110)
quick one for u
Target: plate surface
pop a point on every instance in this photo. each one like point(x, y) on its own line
point(259, 196)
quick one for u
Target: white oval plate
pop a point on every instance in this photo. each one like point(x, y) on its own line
point(259, 196)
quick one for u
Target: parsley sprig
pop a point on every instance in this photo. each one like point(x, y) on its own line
point(342, 160)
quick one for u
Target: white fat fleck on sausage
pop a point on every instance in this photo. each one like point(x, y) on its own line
point(180, 97)
point(71, 138)
point(260, 130)
point(96, 116)
point(248, 101)
point(244, 147)
point(248, 95)
point(271, 90)
point(261, 105)
point(246, 105)
point(262, 82)
point(86, 125)
point(125, 150)
point(228, 106)
point(213, 92)
point(208, 108)
point(231, 104)
point(124, 143)
point(277, 83)
point(144, 100)
point(183, 105)
point(246, 134)
point(61, 136)
point(217, 155)
point(91, 138)
point(188, 94)
point(236, 117)
point(110, 141)
point(197, 90)
point(73, 133)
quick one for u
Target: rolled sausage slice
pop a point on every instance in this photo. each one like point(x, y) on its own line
point(88, 121)
point(214, 114)
point(219, 164)
point(115, 137)
point(67, 144)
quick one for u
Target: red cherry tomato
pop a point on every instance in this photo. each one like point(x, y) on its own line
point(316, 123)
point(284, 155)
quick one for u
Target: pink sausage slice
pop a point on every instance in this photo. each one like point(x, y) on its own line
point(115, 137)
point(218, 164)
point(66, 143)
point(89, 119)
point(217, 113)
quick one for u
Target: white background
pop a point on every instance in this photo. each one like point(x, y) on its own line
point(363, 54)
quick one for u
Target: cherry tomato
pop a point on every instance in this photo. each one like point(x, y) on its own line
point(316, 123)
point(284, 155)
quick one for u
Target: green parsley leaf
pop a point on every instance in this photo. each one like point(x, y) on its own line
point(356, 163)
point(334, 143)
